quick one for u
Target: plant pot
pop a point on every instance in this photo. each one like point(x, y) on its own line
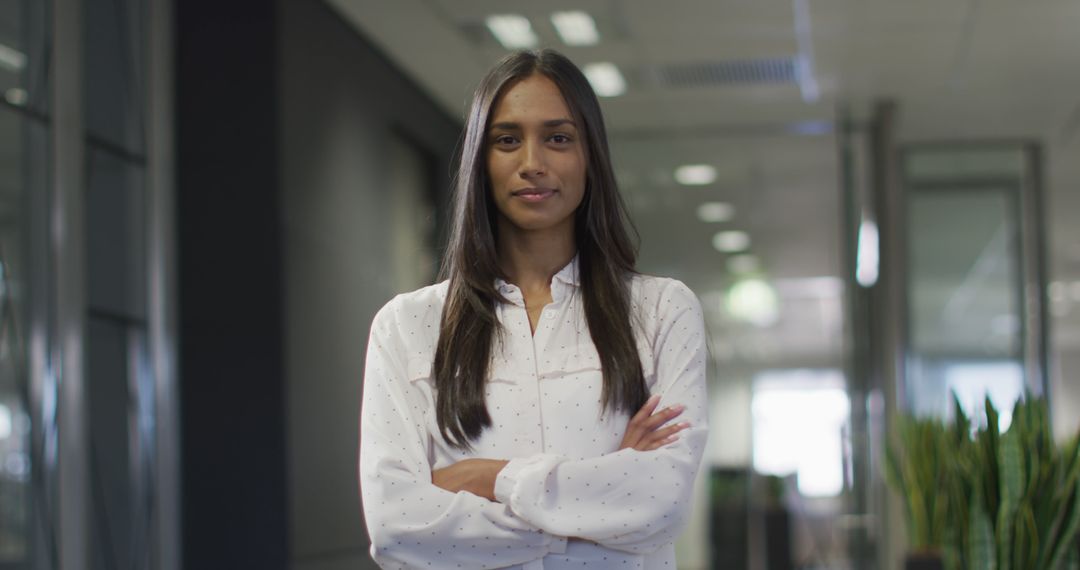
point(778, 539)
point(924, 561)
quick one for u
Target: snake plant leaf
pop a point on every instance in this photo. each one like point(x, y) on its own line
point(989, 499)
point(1003, 532)
point(1012, 467)
point(1068, 534)
point(1060, 504)
point(981, 540)
point(894, 475)
point(961, 422)
point(990, 437)
point(1026, 549)
point(1071, 464)
point(1012, 486)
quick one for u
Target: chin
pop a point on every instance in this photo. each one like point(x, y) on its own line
point(534, 222)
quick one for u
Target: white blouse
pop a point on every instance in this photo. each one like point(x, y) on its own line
point(565, 476)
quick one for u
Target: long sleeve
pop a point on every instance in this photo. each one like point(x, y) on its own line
point(628, 500)
point(412, 522)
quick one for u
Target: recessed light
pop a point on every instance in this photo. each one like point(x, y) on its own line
point(753, 301)
point(713, 212)
point(605, 79)
point(576, 28)
point(16, 96)
point(512, 31)
point(695, 174)
point(731, 241)
point(12, 59)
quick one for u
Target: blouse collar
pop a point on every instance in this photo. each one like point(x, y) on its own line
point(568, 275)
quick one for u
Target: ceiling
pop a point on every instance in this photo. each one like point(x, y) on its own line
point(975, 69)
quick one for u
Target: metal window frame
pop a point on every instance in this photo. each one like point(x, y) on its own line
point(162, 284)
point(68, 264)
point(1025, 194)
point(58, 323)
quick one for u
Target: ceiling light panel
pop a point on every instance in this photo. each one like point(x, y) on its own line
point(695, 174)
point(715, 212)
point(605, 78)
point(12, 59)
point(512, 30)
point(576, 28)
point(731, 241)
point(753, 301)
point(16, 96)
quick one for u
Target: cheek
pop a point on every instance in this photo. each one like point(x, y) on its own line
point(579, 175)
point(495, 174)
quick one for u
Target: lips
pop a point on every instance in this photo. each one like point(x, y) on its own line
point(534, 194)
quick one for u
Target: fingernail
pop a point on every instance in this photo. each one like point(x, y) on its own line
point(654, 397)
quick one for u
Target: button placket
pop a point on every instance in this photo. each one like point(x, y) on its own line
point(522, 360)
point(541, 350)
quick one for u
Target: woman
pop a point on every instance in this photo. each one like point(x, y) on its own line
point(507, 419)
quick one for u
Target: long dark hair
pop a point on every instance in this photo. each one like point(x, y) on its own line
point(606, 256)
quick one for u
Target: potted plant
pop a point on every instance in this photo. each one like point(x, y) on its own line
point(983, 499)
point(777, 523)
point(1025, 492)
point(920, 465)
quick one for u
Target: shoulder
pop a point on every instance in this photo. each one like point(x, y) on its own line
point(662, 305)
point(406, 313)
point(658, 297)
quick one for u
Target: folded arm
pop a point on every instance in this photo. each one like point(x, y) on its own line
point(412, 522)
point(630, 500)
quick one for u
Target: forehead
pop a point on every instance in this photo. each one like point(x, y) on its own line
point(533, 99)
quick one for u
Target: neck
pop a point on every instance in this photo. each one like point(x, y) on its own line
point(531, 258)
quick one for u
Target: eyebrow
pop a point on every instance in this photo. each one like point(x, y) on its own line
point(508, 126)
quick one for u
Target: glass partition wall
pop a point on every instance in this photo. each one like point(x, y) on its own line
point(975, 315)
point(24, 147)
point(87, 464)
point(944, 273)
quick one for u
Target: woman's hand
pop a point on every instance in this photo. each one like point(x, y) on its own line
point(644, 432)
point(476, 476)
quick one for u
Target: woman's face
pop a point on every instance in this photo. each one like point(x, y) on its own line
point(535, 157)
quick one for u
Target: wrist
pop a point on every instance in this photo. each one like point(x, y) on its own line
point(493, 468)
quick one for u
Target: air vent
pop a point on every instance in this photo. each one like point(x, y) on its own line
point(711, 74)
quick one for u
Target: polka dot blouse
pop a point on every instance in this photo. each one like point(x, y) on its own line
point(568, 498)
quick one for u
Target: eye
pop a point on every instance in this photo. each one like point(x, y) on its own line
point(560, 139)
point(504, 140)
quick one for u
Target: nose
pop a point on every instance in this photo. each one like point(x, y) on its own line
point(532, 160)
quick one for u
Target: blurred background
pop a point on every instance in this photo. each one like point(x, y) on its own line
point(203, 204)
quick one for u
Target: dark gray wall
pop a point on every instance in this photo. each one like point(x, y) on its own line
point(342, 104)
point(289, 125)
point(234, 497)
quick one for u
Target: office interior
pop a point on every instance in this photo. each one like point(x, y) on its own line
point(203, 204)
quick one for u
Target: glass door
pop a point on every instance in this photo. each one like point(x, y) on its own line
point(972, 332)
